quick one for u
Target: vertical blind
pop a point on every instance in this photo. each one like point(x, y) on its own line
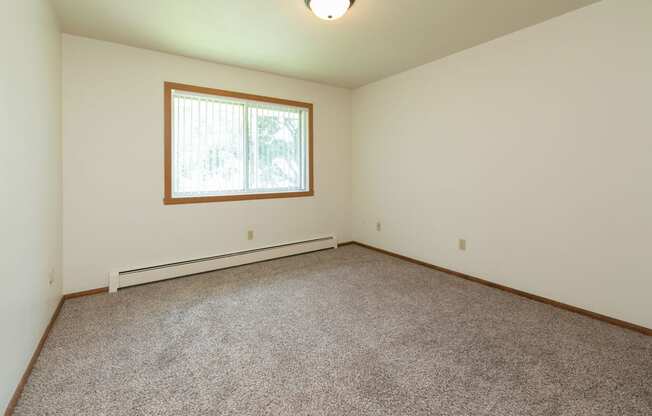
point(224, 146)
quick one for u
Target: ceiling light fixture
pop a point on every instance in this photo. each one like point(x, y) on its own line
point(329, 9)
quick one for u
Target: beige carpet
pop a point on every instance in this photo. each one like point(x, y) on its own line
point(340, 332)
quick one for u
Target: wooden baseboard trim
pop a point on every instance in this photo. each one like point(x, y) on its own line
point(537, 298)
point(23, 381)
point(21, 385)
point(346, 243)
point(86, 293)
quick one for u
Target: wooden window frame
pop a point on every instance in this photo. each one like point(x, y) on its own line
point(168, 199)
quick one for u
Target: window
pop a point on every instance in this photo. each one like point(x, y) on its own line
point(227, 146)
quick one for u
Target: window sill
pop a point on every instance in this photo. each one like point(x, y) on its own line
point(228, 198)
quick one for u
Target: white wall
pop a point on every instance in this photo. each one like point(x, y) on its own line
point(113, 165)
point(30, 195)
point(536, 148)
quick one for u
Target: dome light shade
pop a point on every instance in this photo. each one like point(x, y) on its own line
point(329, 9)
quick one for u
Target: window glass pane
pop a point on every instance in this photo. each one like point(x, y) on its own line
point(208, 146)
point(223, 145)
point(276, 148)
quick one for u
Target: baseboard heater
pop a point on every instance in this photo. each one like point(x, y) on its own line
point(139, 276)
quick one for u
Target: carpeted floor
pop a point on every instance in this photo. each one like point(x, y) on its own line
point(340, 332)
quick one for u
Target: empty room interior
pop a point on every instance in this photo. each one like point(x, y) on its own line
point(326, 207)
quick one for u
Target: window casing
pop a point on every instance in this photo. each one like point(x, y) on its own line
point(228, 146)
